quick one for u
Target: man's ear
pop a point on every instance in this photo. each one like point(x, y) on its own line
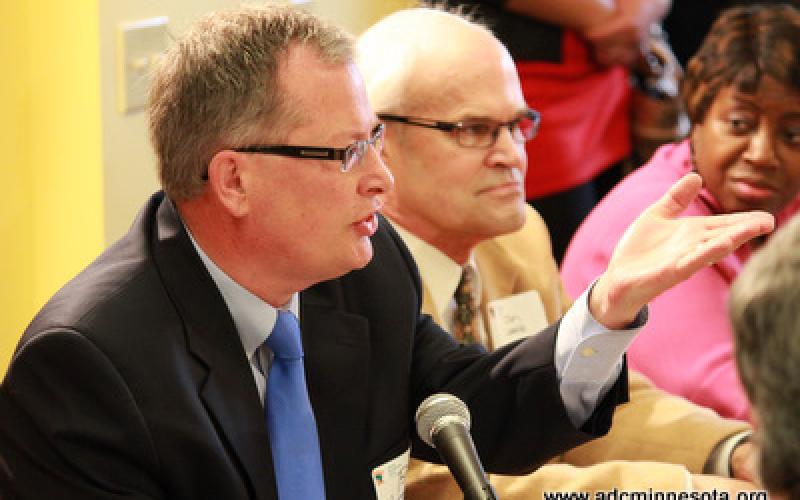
point(226, 183)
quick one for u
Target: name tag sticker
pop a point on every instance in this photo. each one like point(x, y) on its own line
point(389, 479)
point(516, 316)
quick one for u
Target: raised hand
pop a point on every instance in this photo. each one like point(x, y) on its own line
point(661, 249)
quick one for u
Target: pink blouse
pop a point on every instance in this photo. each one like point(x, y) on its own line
point(686, 347)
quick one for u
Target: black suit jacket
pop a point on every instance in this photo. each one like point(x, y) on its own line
point(132, 381)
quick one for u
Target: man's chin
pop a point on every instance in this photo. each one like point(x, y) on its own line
point(359, 257)
point(507, 222)
point(362, 254)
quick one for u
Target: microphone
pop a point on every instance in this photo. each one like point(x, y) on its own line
point(443, 423)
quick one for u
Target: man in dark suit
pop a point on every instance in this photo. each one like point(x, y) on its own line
point(147, 376)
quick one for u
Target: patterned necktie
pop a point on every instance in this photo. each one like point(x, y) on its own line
point(465, 324)
point(290, 419)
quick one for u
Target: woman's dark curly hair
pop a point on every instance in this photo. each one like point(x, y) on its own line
point(744, 44)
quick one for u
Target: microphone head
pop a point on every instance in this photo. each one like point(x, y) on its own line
point(438, 410)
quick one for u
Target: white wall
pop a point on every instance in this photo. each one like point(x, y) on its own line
point(128, 160)
point(356, 15)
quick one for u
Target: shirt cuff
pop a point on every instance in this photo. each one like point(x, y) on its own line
point(588, 357)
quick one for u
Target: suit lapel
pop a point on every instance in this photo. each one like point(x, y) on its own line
point(244, 428)
point(337, 357)
point(227, 389)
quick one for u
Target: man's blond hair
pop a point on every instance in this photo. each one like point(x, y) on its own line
point(219, 87)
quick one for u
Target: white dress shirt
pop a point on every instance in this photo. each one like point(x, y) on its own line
point(254, 318)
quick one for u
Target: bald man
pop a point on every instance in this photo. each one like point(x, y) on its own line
point(456, 127)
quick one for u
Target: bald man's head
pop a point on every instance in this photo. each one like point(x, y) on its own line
point(408, 56)
point(457, 126)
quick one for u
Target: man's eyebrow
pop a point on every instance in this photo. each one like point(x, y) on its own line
point(476, 117)
point(357, 134)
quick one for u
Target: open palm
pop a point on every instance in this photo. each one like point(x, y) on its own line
point(661, 249)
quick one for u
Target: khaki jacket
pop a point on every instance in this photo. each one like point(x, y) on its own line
point(665, 435)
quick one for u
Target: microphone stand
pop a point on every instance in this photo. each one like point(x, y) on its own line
point(460, 454)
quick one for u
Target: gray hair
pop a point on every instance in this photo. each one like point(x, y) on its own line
point(219, 87)
point(765, 313)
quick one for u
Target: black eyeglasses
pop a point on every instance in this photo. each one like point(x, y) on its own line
point(349, 156)
point(477, 133)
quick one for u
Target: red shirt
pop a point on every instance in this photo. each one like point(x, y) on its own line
point(585, 118)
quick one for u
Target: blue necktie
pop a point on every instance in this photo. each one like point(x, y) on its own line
point(290, 419)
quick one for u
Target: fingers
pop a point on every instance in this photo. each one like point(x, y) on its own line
point(678, 197)
point(764, 221)
point(704, 254)
point(718, 242)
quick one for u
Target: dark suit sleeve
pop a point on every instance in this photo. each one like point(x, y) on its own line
point(78, 438)
point(518, 418)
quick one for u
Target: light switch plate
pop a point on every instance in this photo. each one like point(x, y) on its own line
point(140, 44)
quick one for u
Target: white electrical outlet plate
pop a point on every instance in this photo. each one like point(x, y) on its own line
point(140, 44)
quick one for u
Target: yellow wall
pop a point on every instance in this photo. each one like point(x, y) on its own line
point(53, 221)
point(16, 248)
point(384, 8)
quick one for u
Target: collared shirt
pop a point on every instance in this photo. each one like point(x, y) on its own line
point(254, 318)
point(588, 356)
point(442, 275)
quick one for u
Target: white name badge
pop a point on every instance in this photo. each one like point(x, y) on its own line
point(516, 316)
point(389, 479)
